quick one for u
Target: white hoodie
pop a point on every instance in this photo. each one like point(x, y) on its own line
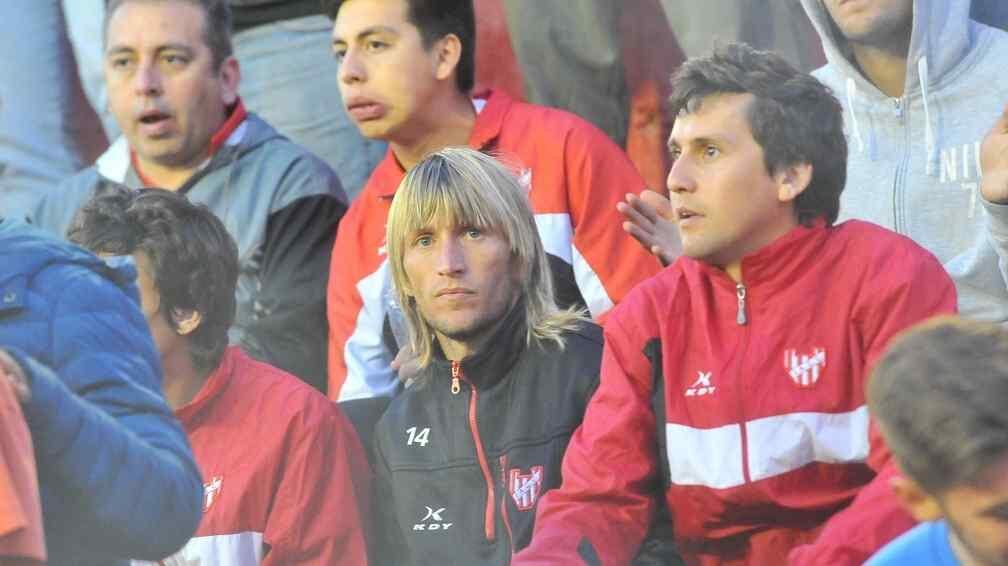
point(914, 164)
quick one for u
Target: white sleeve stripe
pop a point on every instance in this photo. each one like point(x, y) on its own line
point(591, 287)
point(712, 457)
point(783, 443)
point(368, 362)
point(557, 234)
point(236, 549)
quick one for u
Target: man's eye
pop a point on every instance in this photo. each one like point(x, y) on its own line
point(339, 53)
point(674, 154)
point(174, 60)
point(119, 62)
point(375, 45)
point(711, 151)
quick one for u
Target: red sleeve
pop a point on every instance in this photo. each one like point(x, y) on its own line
point(607, 261)
point(20, 510)
point(876, 517)
point(604, 506)
point(321, 510)
point(343, 302)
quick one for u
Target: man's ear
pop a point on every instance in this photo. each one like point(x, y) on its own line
point(447, 52)
point(186, 321)
point(792, 181)
point(230, 76)
point(922, 505)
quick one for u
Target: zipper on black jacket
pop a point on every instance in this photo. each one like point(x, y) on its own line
point(456, 371)
point(489, 520)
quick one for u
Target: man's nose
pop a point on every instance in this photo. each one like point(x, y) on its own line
point(450, 257)
point(147, 79)
point(681, 177)
point(351, 68)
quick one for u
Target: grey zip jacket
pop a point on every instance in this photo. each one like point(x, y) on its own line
point(281, 204)
point(914, 164)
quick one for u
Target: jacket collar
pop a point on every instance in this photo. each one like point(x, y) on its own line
point(487, 367)
point(489, 121)
point(775, 266)
point(214, 386)
point(229, 133)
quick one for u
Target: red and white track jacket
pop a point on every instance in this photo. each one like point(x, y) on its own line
point(576, 175)
point(747, 403)
point(286, 480)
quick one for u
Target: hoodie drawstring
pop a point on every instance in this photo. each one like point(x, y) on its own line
point(855, 127)
point(929, 140)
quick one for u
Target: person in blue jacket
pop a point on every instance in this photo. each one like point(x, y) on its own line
point(117, 479)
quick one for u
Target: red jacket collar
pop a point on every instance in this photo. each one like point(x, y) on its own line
point(488, 126)
point(215, 384)
point(779, 262)
point(235, 119)
point(237, 116)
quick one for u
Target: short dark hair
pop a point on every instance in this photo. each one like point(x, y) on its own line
point(193, 258)
point(939, 395)
point(436, 19)
point(216, 24)
point(793, 117)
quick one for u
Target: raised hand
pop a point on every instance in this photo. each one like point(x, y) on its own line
point(649, 221)
point(994, 162)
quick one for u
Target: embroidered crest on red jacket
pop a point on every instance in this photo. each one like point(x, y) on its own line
point(211, 491)
point(805, 369)
point(525, 488)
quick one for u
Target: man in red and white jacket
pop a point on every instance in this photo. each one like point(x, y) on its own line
point(407, 69)
point(285, 478)
point(734, 381)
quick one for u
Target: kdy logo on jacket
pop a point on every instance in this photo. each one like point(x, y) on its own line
point(433, 520)
point(525, 488)
point(702, 386)
point(805, 369)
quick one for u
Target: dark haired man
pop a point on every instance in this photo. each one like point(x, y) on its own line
point(938, 395)
point(116, 477)
point(915, 80)
point(734, 379)
point(172, 83)
point(285, 477)
point(407, 67)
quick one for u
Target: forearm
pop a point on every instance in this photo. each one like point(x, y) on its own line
point(127, 473)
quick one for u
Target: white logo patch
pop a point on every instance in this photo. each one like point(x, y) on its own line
point(702, 386)
point(434, 515)
point(805, 370)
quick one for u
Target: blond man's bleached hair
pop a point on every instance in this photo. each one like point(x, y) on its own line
point(464, 187)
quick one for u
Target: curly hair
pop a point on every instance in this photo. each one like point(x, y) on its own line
point(193, 258)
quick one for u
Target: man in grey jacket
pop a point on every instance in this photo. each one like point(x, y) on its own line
point(921, 83)
point(172, 82)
